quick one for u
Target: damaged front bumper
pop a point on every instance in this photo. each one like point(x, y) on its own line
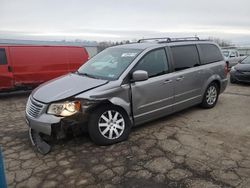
point(42, 124)
point(37, 141)
point(56, 129)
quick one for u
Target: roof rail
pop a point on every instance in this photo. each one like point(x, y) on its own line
point(185, 38)
point(167, 39)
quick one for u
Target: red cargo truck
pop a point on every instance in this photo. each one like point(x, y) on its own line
point(29, 66)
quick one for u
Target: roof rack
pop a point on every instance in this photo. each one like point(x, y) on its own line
point(155, 39)
point(167, 39)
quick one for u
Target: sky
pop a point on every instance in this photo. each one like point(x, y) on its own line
point(116, 20)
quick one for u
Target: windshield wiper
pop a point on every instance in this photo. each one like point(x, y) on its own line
point(86, 74)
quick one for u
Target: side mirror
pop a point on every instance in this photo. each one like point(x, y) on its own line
point(140, 75)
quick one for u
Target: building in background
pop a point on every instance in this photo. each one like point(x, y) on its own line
point(90, 46)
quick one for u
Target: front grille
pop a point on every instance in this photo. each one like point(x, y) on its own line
point(34, 108)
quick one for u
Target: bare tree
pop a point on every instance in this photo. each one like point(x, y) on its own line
point(221, 42)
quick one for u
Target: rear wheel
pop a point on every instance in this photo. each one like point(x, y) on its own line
point(109, 125)
point(211, 96)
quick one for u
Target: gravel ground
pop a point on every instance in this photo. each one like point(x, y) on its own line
point(193, 148)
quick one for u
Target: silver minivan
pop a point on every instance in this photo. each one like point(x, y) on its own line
point(127, 85)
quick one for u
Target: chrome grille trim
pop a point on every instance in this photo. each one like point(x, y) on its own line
point(34, 108)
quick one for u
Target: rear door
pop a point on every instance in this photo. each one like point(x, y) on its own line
point(187, 81)
point(154, 97)
point(6, 76)
point(210, 55)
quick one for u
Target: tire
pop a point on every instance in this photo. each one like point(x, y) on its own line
point(109, 125)
point(232, 80)
point(211, 96)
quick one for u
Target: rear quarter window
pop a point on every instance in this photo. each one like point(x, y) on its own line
point(3, 60)
point(185, 57)
point(210, 53)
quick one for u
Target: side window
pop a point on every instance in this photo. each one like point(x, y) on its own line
point(233, 54)
point(237, 54)
point(185, 57)
point(155, 63)
point(3, 60)
point(210, 53)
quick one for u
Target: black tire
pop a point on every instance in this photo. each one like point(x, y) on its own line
point(95, 131)
point(232, 80)
point(206, 103)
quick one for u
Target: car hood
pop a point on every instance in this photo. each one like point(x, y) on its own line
point(243, 67)
point(64, 87)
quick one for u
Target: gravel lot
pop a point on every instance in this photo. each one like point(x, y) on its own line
point(194, 148)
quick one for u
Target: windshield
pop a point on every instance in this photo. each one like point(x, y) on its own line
point(246, 60)
point(225, 53)
point(109, 64)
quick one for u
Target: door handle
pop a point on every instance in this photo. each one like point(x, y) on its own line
point(179, 78)
point(167, 81)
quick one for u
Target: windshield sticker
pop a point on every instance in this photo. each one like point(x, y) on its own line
point(132, 54)
point(111, 75)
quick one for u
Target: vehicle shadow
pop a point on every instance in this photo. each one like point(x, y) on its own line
point(21, 93)
point(83, 138)
point(240, 84)
point(166, 118)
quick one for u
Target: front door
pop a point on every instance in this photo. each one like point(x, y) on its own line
point(154, 97)
point(6, 76)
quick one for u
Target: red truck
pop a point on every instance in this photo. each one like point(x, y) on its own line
point(24, 66)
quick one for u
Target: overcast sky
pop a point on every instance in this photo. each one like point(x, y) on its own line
point(127, 19)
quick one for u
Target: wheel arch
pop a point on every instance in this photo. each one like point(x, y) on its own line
point(117, 102)
point(213, 79)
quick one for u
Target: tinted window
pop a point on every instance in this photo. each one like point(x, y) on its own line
point(185, 57)
point(3, 60)
point(210, 53)
point(155, 63)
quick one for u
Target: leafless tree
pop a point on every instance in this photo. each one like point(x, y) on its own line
point(221, 42)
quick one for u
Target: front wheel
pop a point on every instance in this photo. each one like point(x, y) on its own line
point(211, 96)
point(232, 80)
point(109, 125)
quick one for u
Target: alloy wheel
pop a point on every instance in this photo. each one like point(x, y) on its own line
point(211, 95)
point(111, 124)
